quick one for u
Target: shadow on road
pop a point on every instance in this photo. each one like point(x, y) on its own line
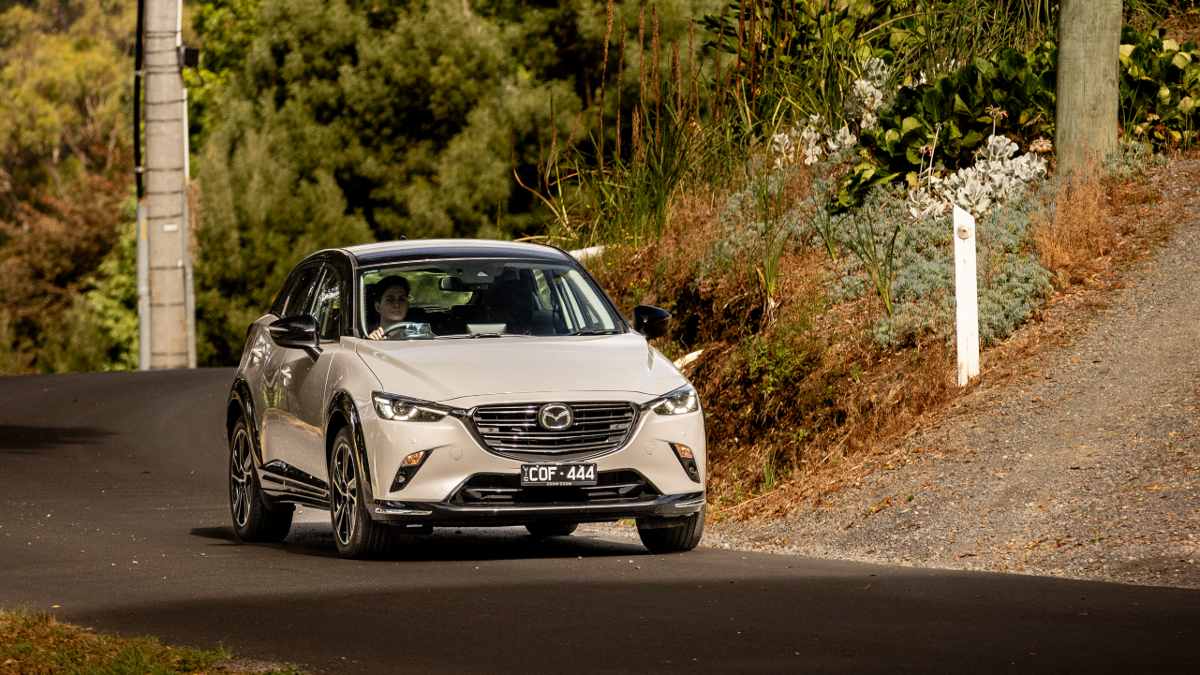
point(476, 620)
point(224, 533)
point(26, 440)
point(446, 544)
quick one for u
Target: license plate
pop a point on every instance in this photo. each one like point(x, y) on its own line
point(557, 475)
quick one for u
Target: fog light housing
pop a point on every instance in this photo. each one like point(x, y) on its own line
point(409, 466)
point(687, 459)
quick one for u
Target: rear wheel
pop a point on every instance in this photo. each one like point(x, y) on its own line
point(672, 538)
point(254, 520)
point(356, 535)
point(551, 529)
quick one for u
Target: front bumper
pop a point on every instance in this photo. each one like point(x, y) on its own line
point(455, 456)
point(444, 514)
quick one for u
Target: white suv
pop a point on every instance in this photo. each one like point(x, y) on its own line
point(460, 383)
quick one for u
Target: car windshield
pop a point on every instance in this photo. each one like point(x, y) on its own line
point(478, 298)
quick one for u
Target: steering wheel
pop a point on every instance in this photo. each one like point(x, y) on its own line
point(396, 329)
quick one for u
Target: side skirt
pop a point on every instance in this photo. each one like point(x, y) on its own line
point(287, 484)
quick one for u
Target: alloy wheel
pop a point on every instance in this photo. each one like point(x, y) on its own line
point(241, 475)
point(345, 493)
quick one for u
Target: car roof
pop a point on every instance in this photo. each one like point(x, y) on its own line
point(426, 249)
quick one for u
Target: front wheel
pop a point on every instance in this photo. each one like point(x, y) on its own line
point(254, 520)
point(356, 535)
point(551, 529)
point(673, 538)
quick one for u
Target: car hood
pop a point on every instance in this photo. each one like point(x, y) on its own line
point(473, 371)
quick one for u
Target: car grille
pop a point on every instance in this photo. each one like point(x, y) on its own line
point(612, 487)
point(512, 430)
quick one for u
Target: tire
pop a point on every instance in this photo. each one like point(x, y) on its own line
point(354, 533)
point(675, 538)
point(254, 520)
point(551, 529)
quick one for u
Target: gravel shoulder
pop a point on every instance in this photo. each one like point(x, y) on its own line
point(1080, 459)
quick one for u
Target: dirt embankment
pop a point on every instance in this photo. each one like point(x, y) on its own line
point(1078, 459)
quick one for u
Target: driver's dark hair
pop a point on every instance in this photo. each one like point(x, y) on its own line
point(387, 283)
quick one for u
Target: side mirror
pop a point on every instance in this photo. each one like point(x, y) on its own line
point(650, 321)
point(297, 332)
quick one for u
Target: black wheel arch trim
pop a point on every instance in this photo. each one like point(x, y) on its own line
point(239, 395)
point(342, 404)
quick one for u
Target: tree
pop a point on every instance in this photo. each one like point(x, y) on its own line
point(65, 168)
point(347, 122)
point(1089, 37)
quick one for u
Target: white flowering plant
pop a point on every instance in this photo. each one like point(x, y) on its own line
point(998, 175)
point(817, 140)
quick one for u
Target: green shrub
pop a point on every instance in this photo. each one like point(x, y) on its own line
point(804, 57)
point(759, 224)
point(947, 120)
point(776, 361)
point(1131, 159)
point(1160, 88)
point(1012, 284)
point(99, 331)
point(870, 232)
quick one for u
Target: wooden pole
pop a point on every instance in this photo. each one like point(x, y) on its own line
point(1089, 40)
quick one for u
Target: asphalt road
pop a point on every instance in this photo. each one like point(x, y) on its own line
point(114, 515)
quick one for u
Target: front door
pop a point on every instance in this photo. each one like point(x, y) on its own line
point(306, 397)
point(280, 438)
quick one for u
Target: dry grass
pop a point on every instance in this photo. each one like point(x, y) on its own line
point(1075, 238)
point(1184, 27)
point(873, 401)
point(37, 643)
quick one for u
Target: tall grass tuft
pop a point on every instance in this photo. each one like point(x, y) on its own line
point(1076, 233)
point(664, 138)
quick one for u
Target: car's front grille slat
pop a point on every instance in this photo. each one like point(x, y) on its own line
point(512, 430)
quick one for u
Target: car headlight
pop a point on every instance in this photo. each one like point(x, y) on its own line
point(401, 409)
point(677, 402)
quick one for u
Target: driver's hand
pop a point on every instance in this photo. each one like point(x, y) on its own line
point(376, 334)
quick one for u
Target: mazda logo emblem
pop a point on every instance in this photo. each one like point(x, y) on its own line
point(555, 417)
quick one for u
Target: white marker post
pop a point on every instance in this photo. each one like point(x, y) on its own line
point(966, 296)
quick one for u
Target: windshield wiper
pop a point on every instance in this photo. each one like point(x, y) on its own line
point(596, 331)
point(490, 334)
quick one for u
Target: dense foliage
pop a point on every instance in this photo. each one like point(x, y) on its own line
point(65, 181)
point(1160, 88)
point(947, 120)
point(346, 121)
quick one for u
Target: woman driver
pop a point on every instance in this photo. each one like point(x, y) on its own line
point(392, 304)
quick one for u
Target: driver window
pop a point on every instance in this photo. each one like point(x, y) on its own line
point(327, 309)
point(300, 291)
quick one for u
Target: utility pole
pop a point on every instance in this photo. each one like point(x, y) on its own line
point(166, 305)
point(1089, 39)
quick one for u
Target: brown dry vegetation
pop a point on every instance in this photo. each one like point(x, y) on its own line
point(1075, 239)
point(38, 643)
point(804, 402)
point(1184, 27)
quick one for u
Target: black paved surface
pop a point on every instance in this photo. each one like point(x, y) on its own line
point(113, 514)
